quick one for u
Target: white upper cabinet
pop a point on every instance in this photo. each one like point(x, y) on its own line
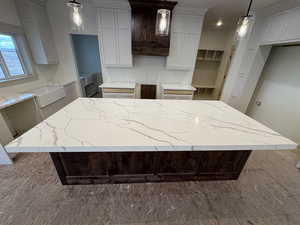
point(115, 37)
point(282, 28)
point(38, 32)
point(185, 37)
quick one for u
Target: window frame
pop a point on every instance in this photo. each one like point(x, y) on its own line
point(7, 74)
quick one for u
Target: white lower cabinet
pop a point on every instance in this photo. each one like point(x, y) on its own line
point(177, 92)
point(118, 90)
point(178, 97)
point(118, 95)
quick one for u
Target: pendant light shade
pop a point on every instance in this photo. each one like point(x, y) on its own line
point(162, 22)
point(244, 23)
point(76, 15)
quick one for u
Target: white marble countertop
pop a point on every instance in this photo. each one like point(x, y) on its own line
point(9, 100)
point(97, 125)
point(178, 87)
point(118, 85)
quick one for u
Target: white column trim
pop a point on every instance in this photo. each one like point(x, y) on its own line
point(4, 157)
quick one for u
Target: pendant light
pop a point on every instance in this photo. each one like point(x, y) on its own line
point(76, 14)
point(163, 17)
point(244, 22)
point(219, 23)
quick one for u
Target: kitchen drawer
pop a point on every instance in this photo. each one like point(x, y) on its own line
point(118, 95)
point(118, 90)
point(177, 97)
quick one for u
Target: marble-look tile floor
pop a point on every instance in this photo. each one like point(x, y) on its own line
point(267, 193)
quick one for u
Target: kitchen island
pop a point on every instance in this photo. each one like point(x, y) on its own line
point(93, 141)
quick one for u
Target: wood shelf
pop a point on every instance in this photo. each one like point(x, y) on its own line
point(210, 55)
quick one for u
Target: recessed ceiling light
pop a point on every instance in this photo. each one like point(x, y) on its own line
point(219, 23)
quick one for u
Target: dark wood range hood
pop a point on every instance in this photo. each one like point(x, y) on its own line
point(144, 39)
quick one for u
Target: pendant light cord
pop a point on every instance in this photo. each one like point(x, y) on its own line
point(249, 8)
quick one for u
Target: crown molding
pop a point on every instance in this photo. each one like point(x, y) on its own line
point(119, 4)
point(279, 7)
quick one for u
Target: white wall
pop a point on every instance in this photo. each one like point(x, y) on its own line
point(147, 70)
point(65, 72)
point(279, 92)
point(8, 15)
point(58, 13)
point(251, 55)
point(215, 38)
point(8, 12)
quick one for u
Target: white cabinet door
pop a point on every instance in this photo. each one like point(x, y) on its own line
point(175, 51)
point(123, 19)
point(108, 46)
point(183, 51)
point(189, 50)
point(185, 38)
point(124, 37)
point(107, 33)
point(115, 36)
point(124, 41)
point(106, 18)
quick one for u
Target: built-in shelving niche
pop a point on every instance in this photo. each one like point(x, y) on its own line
point(209, 55)
point(206, 72)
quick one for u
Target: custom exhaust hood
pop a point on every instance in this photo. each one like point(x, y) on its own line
point(151, 26)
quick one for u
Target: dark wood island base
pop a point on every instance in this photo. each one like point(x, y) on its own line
point(139, 167)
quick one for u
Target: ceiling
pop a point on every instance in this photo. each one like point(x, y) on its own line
point(227, 10)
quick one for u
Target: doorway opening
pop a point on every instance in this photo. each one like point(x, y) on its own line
point(275, 101)
point(86, 51)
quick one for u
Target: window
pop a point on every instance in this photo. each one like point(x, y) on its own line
point(11, 62)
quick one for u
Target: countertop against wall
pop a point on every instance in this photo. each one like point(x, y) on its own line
point(130, 85)
point(178, 87)
point(9, 100)
point(119, 85)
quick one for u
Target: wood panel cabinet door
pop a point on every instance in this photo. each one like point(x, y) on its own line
point(128, 167)
point(133, 163)
point(144, 39)
point(86, 164)
point(180, 163)
point(148, 91)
